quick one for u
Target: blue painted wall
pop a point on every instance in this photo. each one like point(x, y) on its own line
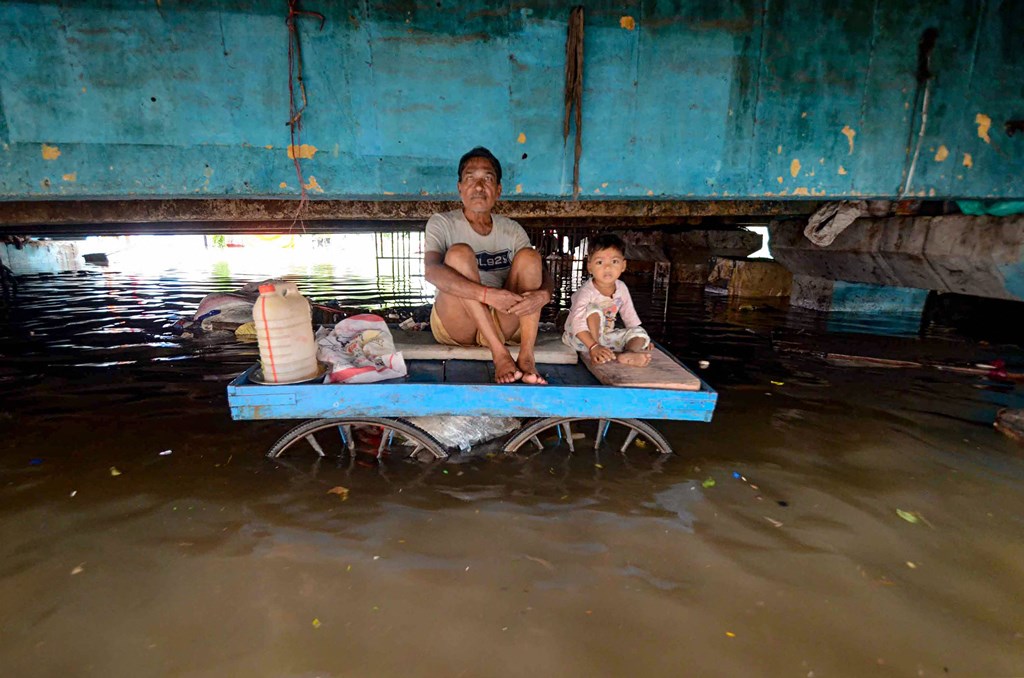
point(701, 99)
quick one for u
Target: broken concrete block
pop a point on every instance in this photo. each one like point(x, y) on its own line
point(1011, 424)
point(750, 278)
point(821, 294)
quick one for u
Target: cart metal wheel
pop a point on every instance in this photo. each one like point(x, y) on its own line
point(338, 432)
point(634, 428)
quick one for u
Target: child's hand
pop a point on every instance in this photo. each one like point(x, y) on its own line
point(601, 354)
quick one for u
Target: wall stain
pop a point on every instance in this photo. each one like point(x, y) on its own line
point(850, 133)
point(305, 152)
point(984, 125)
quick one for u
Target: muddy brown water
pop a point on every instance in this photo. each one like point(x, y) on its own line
point(213, 561)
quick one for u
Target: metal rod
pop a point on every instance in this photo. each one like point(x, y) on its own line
point(314, 444)
point(568, 435)
point(629, 439)
point(599, 433)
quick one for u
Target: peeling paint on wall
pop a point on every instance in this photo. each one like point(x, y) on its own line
point(842, 170)
point(312, 185)
point(941, 154)
point(968, 160)
point(70, 177)
point(627, 22)
point(849, 133)
point(304, 152)
point(794, 167)
point(984, 125)
point(519, 188)
point(521, 138)
point(50, 152)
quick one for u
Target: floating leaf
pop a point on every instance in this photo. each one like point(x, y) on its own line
point(908, 516)
point(114, 471)
point(708, 482)
point(316, 623)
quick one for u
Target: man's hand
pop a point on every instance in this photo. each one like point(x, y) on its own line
point(502, 299)
point(531, 302)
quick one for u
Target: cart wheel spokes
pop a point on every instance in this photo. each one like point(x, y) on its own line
point(345, 435)
point(634, 429)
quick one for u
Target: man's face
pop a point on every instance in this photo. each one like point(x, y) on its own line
point(478, 186)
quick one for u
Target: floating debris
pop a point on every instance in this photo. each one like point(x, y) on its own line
point(342, 492)
point(908, 516)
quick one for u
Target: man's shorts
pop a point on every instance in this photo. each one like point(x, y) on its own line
point(441, 335)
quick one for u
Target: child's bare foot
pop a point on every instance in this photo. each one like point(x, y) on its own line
point(505, 369)
point(634, 358)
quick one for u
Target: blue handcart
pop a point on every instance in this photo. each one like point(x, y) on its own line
point(572, 397)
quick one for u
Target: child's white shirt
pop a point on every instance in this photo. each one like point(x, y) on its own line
point(587, 296)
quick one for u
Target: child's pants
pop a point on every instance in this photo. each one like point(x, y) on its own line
point(616, 340)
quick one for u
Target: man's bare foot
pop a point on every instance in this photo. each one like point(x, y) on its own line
point(505, 369)
point(634, 358)
point(530, 373)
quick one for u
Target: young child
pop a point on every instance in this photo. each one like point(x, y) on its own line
point(590, 327)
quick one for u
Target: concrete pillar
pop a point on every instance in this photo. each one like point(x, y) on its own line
point(41, 256)
point(691, 252)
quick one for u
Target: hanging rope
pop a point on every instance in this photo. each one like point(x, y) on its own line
point(295, 109)
point(574, 90)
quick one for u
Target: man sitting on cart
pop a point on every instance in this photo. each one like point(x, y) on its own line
point(491, 284)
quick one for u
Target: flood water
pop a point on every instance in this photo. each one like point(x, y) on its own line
point(769, 544)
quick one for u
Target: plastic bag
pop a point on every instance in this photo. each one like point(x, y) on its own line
point(464, 432)
point(360, 350)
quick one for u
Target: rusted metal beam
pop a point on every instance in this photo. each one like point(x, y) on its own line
point(342, 215)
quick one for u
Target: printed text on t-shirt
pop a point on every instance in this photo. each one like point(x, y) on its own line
point(493, 261)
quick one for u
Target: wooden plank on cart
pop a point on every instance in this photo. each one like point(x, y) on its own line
point(421, 346)
point(662, 373)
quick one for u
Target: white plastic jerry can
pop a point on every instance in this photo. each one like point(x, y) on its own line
point(284, 331)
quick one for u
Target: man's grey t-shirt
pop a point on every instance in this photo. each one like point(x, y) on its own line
point(494, 251)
